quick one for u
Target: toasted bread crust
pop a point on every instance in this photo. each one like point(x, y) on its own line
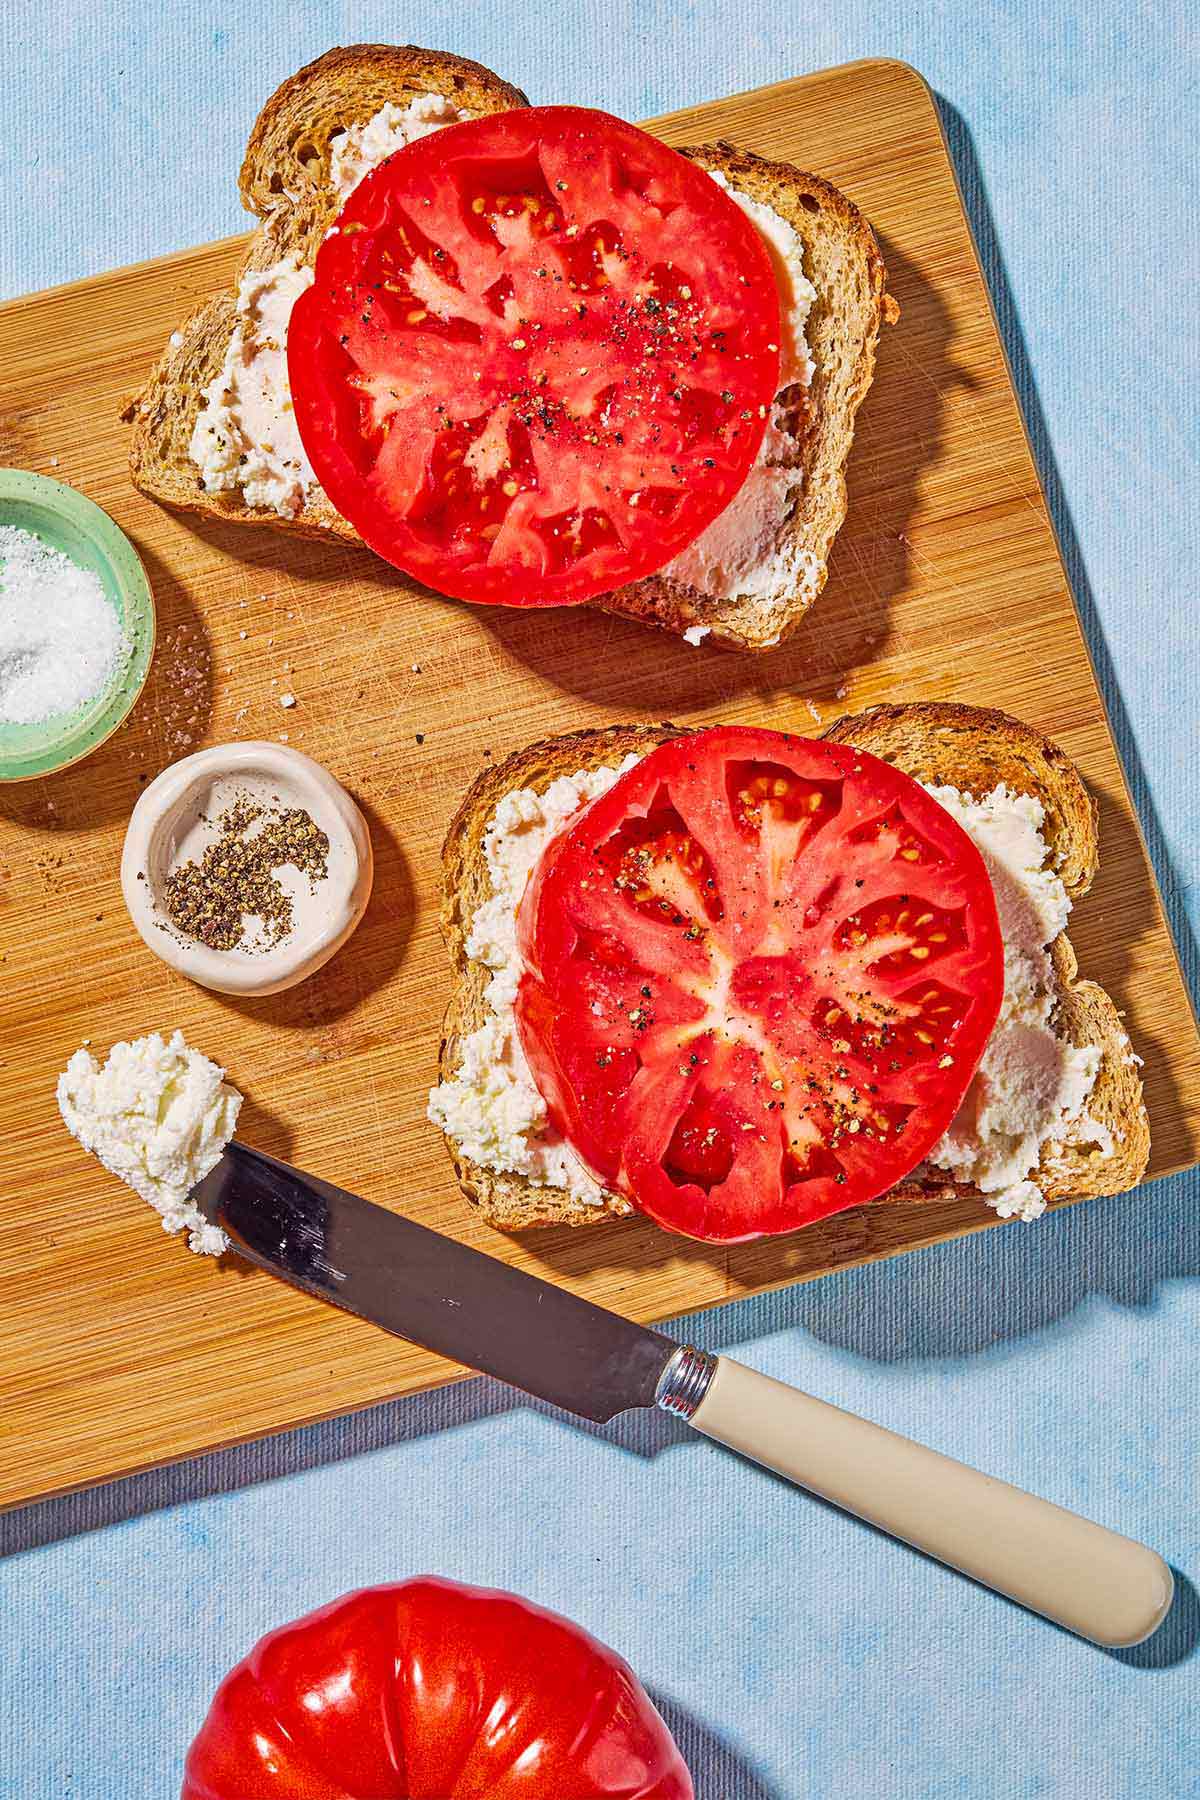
point(164, 415)
point(287, 156)
point(971, 748)
point(843, 261)
point(975, 747)
point(509, 1201)
point(285, 182)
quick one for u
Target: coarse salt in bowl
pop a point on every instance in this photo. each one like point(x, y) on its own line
point(70, 524)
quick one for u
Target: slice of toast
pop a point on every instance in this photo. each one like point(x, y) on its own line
point(967, 747)
point(843, 262)
point(285, 182)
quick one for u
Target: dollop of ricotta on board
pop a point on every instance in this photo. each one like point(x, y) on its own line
point(157, 1114)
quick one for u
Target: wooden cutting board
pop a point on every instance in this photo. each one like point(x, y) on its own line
point(117, 1348)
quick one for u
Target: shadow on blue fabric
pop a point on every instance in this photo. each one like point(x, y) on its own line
point(942, 1302)
point(726, 1775)
point(974, 194)
point(952, 1300)
point(1176, 1637)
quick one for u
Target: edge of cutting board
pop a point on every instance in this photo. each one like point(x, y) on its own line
point(113, 1438)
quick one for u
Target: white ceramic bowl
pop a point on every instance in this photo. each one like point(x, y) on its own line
point(169, 825)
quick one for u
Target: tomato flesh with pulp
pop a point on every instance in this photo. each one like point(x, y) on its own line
point(760, 973)
point(537, 357)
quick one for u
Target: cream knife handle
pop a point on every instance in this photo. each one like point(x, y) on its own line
point(1093, 1581)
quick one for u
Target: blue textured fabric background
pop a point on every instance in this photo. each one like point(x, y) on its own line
point(796, 1652)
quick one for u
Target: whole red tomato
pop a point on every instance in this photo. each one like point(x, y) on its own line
point(429, 1690)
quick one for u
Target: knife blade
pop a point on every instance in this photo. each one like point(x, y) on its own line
point(431, 1289)
point(534, 1335)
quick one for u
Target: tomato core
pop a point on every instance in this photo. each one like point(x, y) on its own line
point(760, 974)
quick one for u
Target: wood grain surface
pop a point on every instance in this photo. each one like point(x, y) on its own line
point(117, 1348)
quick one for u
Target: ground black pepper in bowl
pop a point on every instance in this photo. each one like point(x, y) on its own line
point(236, 878)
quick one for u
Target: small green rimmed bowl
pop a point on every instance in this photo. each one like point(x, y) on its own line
point(70, 522)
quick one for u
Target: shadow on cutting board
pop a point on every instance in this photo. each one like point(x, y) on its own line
point(629, 669)
point(954, 1299)
point(267, 1132)
point(169, 721)
point(974, 195)
point(370, 959)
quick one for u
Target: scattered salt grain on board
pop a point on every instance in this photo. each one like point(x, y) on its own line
point(61, 642)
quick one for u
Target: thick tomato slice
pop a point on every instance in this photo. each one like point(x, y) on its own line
point(537, 357)
point(760, 973)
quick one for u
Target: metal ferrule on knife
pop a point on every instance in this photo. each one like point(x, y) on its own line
point(685, 1381)
point(488, 1315)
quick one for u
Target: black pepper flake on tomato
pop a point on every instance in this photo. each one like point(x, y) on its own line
point(864, 1051)
point(419, 316)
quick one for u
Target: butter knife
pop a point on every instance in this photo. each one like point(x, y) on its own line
point(538, 1337)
